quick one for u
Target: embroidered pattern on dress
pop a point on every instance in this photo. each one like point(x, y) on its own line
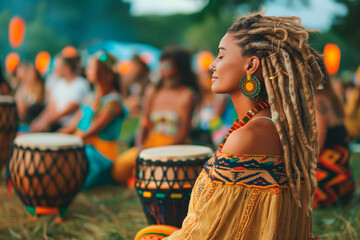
point(249, 170)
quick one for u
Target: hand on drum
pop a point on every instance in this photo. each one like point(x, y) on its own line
point(80, 134)
point(40, 125)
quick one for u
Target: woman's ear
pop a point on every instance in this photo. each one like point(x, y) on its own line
point(253, 65)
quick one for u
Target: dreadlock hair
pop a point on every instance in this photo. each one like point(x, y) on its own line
point(291, 73)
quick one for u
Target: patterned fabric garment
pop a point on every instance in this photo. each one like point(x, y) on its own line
point(244, 197)
point(335, 182)
point(165, 122)
point(251, 170)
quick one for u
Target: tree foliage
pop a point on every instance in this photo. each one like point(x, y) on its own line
point(53, 24)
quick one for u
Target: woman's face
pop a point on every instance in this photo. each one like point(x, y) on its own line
point(32, 74)
point(91, 70)
point(58, 67)
point(229, 67)
point(167, 68)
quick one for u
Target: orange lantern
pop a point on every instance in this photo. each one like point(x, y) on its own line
point(204, 59)
point(69, 52)
point(125, 67)
point(42, 62)
point(332, 58)
point(16, 31)
point(12, 61)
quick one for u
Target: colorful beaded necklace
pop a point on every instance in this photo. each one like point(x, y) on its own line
point(238, 124)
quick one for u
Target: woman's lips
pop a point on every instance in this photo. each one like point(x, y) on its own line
point(213, 78)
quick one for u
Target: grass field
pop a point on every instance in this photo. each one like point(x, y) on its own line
point(114, 212)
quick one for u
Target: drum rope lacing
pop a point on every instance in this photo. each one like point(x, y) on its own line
point(36, 192)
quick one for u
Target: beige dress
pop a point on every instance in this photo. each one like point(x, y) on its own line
point(244, 197)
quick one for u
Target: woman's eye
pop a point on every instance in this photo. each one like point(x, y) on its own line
point(220, 57)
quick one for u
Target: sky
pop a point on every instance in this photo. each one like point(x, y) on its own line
point(318, 15)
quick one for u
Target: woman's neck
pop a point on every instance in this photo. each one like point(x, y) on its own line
point(171, 82)
point(243, 104)
point(70, 77)
point(101, 90)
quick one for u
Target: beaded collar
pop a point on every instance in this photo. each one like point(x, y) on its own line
point(238, 124)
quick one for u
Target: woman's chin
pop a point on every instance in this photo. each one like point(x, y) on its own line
point(214, 89)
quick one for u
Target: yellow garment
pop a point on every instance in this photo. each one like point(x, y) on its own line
point(157, 140)
point(107, 148)
point(352, 114)
point(229, 212)
point(124, 165)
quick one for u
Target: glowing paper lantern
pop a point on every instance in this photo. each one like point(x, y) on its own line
point(204, 59)
point(12, 61)
point(332, 58)
point(69, 52)
point(42, 62)
point(125, 67)
point(16, 31)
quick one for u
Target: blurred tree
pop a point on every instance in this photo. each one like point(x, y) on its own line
point(89, 21)
point(216, 7)
point(161, 31)
point(5, 17)
point(40, 37)
point(346, 34)
point(206, 35)
point(347, 26)
point(350, 57)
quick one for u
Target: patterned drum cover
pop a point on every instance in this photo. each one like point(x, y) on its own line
point(164, 180)
point(8, 126)
point(47, 171)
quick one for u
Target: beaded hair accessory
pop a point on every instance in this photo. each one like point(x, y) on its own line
point(105, 58)
point(238, 124)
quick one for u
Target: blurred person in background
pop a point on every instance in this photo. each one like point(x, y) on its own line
point(334, 177)
point(18, 75)
point(5, 88)
point(66, 95)
point(99, 119)
point(30, 95)
point(134, 84)
point(53, 77)
point(208, 113)
point(352, 108)
point(167, 113)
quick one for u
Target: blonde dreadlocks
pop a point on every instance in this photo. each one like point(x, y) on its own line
point(291, 73)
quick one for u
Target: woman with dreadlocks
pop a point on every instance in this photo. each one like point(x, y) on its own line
point(259, 184)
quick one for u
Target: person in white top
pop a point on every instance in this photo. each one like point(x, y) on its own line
point(66, 95)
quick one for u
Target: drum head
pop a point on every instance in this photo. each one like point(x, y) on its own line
point(6, 99)
point(176, 153)
point(48, 141)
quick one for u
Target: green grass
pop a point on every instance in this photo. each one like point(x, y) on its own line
point(341, 223)
point(107, 212)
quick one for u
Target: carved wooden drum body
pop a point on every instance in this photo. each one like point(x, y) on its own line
point(8, 126)
point(164, 180)
point(47, 170)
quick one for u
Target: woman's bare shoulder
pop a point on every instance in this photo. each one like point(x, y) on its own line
point(259, 136)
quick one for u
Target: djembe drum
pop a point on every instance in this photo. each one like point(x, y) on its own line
point(8, 126)
point(164, 180)
point(47, 170)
